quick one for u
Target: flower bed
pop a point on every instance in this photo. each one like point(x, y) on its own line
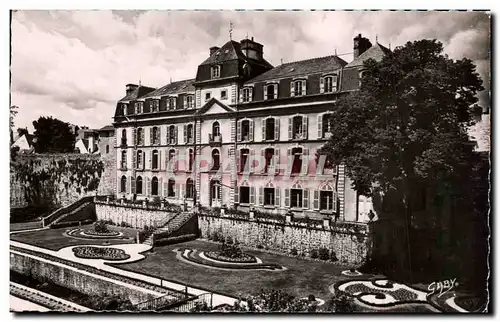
point(92, 232)
point(245, 258)
point(107, 253)
point(86, 234)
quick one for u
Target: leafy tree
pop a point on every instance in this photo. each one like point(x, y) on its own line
point(407, 125)
point(53, 136)
point(13, 113)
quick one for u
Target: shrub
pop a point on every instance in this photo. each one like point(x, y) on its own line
point(314, 253)
point(259, 246)
point(341, 303)
point(324, 253)
point(101, 226)
point(229, 240)
point(294, 251)
point(333, 256)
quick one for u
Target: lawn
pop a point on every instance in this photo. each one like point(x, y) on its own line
point(301, 278)
point(54, 239)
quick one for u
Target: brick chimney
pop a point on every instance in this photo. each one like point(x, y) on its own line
point(129, 88)
point(361, 44)
point(213, 50)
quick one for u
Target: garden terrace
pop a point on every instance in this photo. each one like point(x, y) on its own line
point(138, 204)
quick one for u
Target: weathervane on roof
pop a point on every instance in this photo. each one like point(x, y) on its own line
point(231, 30)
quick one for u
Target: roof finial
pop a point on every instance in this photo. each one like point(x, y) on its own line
point(231, 30)
point(281, 61)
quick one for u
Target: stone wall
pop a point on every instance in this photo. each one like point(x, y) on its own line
point(54, 179)
point(108, 184)
point(348, 240)
point(136, 217)
point(75, 279)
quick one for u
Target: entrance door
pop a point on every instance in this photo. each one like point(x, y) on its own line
point(215, 194)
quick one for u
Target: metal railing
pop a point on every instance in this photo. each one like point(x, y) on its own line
point(190, 304)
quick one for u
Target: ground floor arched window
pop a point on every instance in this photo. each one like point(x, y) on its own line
point(189, 188)
point(154, 186)
point(123, 184)
point(138, 185)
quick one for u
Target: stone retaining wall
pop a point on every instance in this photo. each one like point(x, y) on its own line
point(349, 240)
point(75, 279)
point(135, 217)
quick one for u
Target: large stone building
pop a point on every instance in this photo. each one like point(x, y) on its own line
point(241, 134)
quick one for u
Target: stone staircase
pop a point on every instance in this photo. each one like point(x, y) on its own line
point(170, 226)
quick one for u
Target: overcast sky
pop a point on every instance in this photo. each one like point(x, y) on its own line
point(74, 65)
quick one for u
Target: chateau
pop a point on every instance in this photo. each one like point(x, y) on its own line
point(242, 134)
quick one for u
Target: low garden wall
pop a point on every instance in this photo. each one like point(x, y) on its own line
point(348, 240)
point(133, 216)
point(74, 279)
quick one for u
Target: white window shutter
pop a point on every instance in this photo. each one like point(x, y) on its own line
point(321, 84)
point(185, 133)
point(287, 198)
point(177, 191)
point(305, 200)
point(262, 158)
point(238, 162)
point(159, 135)
point(143, 160)
point(250, 94)
point(334, 205)
point(261, 195)
point(250, 134)
point(176, 132)
point(275, 90)
point(265, 92)
point(175, 102)
point(238, 133)
point(241, 94)
point(237, 195)
point(252, 195)
point(263, 124)
point(251, 157)
point(305, 163)
point(304, 127)
point(290, 134)
point(176, 160)
point(184, 102)
point(316, 199)
point(276, 128)
point(320, 126)
point(304, 91)
point(159, 159)
point(289, 161)
point(160, 185)
point(334, 83)
point(276, 160)
point(277, 201)
point(168, 135)
point(292, 89)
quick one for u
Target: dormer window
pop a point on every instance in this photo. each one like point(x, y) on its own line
point(246, 94)
point(188, 101)
point(171, 102)
point(215, 72)
point(155, 105)
point(139, 107)
point(124, 109)
point(328, 84)
point(298, 88)
point(270, 91)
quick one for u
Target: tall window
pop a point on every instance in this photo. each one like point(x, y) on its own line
point(155, 135)
point(171, 159)
point(155, 105)
point(244, 153)
point(296, 195)
point(107, 148)
point(215, 190)
point(269, 196)
point(245, 195)
point(139, 107)
point(245, 130)
point(298, 88)
point(270, 90)
point(123, 184)
point(330, 84)
point(124, 160)
point(215, 159)
point(138, 185)
point(245, 96)
point(154, 162)
point(140, 136)
point(154, 186)
point(298, 127)
point(270, 128)
point(297, 160)
point(139, 159)
point(189, 133)
point(124, 137)
point(171, 135)
point(327, 124)
point(124, 109)
point(189, 188)
point(269, 156)
point(215, 71)
point(171, 188)
point(191, 160)
point(190, 101)
point(326, 200)
point(216, 129)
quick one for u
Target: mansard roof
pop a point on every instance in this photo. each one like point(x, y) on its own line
point(183, 86)
point(230, 51)
point(302, 68)
point(136, 93)
point(376, 52)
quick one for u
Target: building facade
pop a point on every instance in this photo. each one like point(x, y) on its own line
point(242, 134)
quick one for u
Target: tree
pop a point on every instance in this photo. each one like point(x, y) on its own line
point(53, 136)
point(406, 126)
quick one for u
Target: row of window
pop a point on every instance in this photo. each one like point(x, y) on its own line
point(223, 95)
point(245, 163)
point(327, 84)
point(297, 130)
point(296, 197)
point(188, 102)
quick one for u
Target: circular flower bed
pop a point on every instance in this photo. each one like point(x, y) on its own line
point(110, 233)
point(243, 258)
point(92, 234)
point(107, 253)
